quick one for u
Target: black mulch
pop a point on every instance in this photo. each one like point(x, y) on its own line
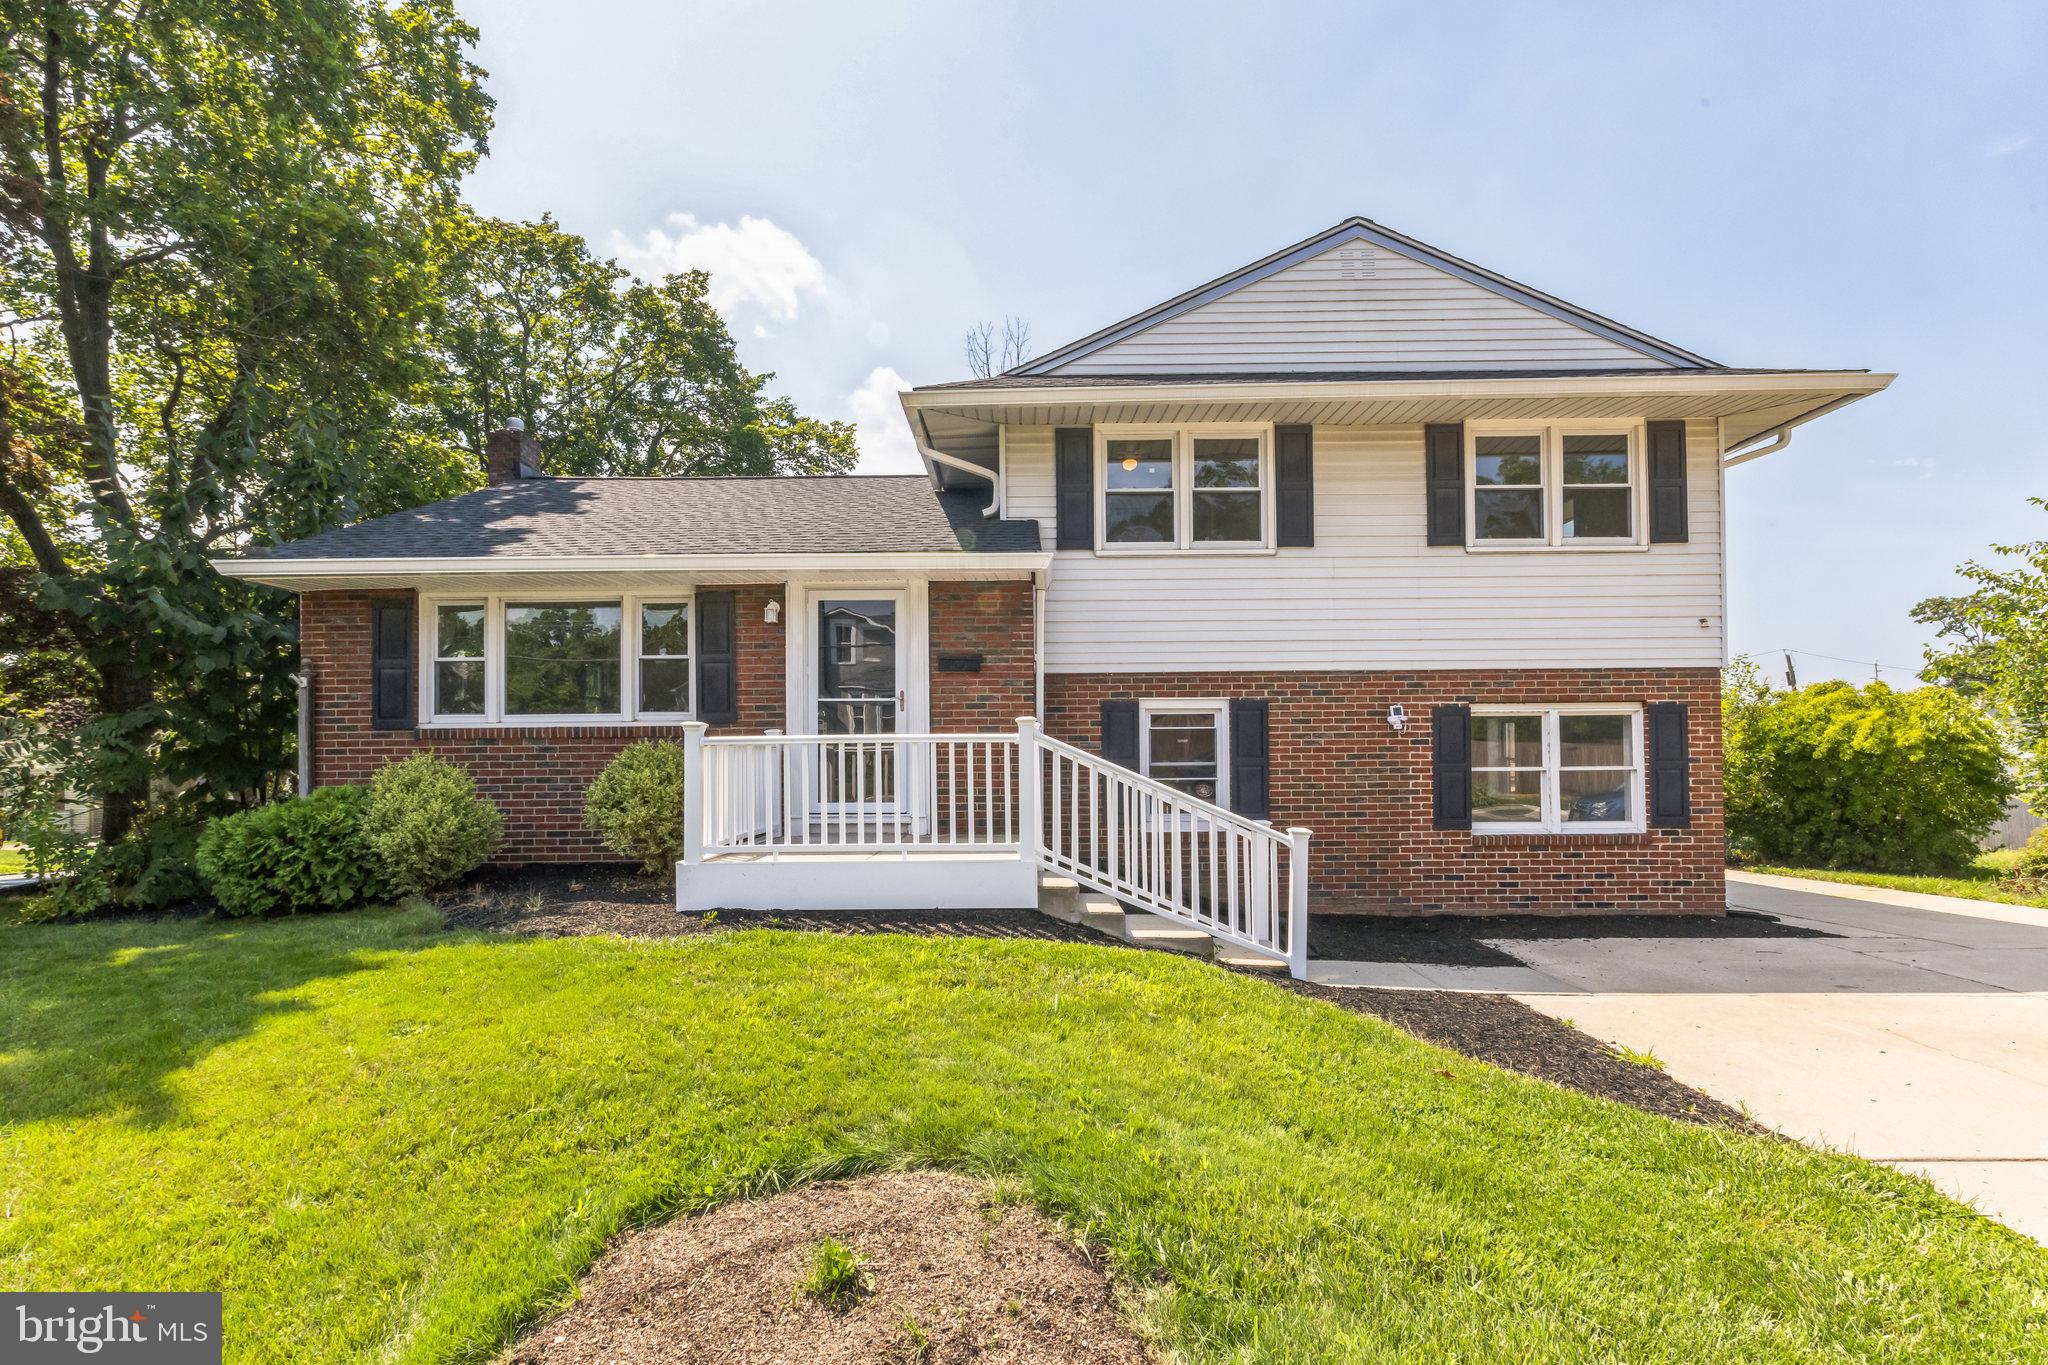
point(1459, 941)
point(1507, 1033)
point(555, 902)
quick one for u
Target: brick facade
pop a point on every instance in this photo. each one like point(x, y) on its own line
point(992, 620)
point(1341, 770)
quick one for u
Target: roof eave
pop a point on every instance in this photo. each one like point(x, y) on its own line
point(283, 572)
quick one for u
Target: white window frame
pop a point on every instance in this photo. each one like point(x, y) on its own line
point(1218, 707)
point(1553, 821)
point(1183, 437)
point(494, 657)
point(1551, 435)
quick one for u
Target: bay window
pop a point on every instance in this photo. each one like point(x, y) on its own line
point(1184, 488)
point(1555, 485)
point(1559, 769)
point(520, 658)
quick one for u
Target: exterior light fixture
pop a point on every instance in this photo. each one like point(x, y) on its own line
point(772, 612)
point(1397, 716)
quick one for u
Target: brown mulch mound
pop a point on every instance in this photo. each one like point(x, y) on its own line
point(1507, 1033)
point(951, 1274)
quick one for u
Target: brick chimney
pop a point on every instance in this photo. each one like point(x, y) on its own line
point(511, 453)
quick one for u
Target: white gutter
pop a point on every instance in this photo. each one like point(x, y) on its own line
point(1860, 382)
point(1018, 561)
point(921, 436)
point(1781, 435)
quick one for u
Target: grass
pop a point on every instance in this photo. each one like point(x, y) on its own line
point(1635, 1058)
point(13, 859)
point(837, 1275)
point(386, 1142)
point(1984, 880)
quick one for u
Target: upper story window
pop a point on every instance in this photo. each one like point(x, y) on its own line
point(1184, 488)
point(1553, 485)
point(528, 657)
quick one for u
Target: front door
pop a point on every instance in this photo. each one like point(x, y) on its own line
point(859, 686)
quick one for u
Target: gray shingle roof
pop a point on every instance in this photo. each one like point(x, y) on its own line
point(879, 514)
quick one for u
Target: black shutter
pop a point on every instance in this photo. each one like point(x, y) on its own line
point(1443, 460)
point(1668, 520)
point(391, 663)
point(1294, 481)
point(1120, 733)
point(718, 698)
point(1670, 765)
point(1073, 462)
point(1250, 762)
point(1450, 767)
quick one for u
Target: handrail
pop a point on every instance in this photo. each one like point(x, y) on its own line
point(1130, 777)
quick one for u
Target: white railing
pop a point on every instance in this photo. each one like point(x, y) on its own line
point(1155, 847)
point(777, 794)
point(1148, 844)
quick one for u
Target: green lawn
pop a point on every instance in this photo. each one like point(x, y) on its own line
point(385, 1142)
point(1984, 880)
point(12, 859)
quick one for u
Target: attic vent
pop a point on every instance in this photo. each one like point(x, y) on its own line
point(1356, 263)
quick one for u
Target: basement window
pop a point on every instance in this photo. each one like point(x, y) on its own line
point(1557, 770)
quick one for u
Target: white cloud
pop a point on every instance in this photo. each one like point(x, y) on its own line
point(754, 263)
point(885, 443)
point(2006, 146)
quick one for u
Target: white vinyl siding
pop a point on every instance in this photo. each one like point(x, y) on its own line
point(1359, 307)
point(1371, 593)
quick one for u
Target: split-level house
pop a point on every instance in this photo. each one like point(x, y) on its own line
point(1361, 576)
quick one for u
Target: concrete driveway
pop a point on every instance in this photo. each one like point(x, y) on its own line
point(1917, 1036)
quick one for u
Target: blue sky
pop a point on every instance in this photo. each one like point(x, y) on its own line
point(1814, 185)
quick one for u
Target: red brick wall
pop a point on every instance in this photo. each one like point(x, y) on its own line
point(994, 621)
point(536, 774)
point(1340, 770)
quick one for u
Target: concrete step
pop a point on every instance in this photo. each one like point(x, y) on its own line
point(1157, 931)
point(1247, 960)
point(1060, 898)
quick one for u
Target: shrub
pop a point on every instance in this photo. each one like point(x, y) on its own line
point(425, 825)
point(636, 804)
point(1840, 776)
point(292, 856)
point(2033, 859)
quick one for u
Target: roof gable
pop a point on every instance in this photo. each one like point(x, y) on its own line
point(1361, 297)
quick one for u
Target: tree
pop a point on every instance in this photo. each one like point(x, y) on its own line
point(987, 357)
point(1993, 645)
point(1859, 777)
point(217, 222)
point(613, 375)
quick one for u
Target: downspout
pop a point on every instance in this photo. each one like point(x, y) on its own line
point(1784, 438)
point(922, 439)
point(304, 679)
point(1038, 644)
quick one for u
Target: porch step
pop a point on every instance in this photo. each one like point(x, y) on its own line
point(1066, 900)
point(1157, 931)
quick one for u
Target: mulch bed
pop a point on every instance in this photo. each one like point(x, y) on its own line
point(951, 1274)
point(1507, 1033)
point(1467, 941)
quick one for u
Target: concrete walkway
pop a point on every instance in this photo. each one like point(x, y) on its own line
point(1917, 1035)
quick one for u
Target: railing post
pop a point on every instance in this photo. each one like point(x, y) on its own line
point(1297, 902)
point(1030, 788)
point(696, 801)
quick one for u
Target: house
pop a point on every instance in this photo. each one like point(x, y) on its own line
point(1361, 540)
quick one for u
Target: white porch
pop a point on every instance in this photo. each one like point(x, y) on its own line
point(891, 821)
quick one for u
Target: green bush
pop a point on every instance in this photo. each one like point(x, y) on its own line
point(1840, 776)
point(2033, 859)
point(292, 856)
point(636, 804)
point(425, 825)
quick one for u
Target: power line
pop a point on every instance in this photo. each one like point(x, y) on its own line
point(1876, 666)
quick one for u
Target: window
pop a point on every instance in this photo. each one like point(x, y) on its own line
point(562, 658)
point(1184, 488)
point(1557, 769)
point(1569, 484)
point(1182, 745)
point(531, 657)
point(459, 659)
point(665, 657)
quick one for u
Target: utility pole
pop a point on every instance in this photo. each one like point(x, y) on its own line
point(1791, 674)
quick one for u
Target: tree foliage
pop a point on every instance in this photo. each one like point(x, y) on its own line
point(613, 375)
point(1839, 776)
point(1993, 645)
